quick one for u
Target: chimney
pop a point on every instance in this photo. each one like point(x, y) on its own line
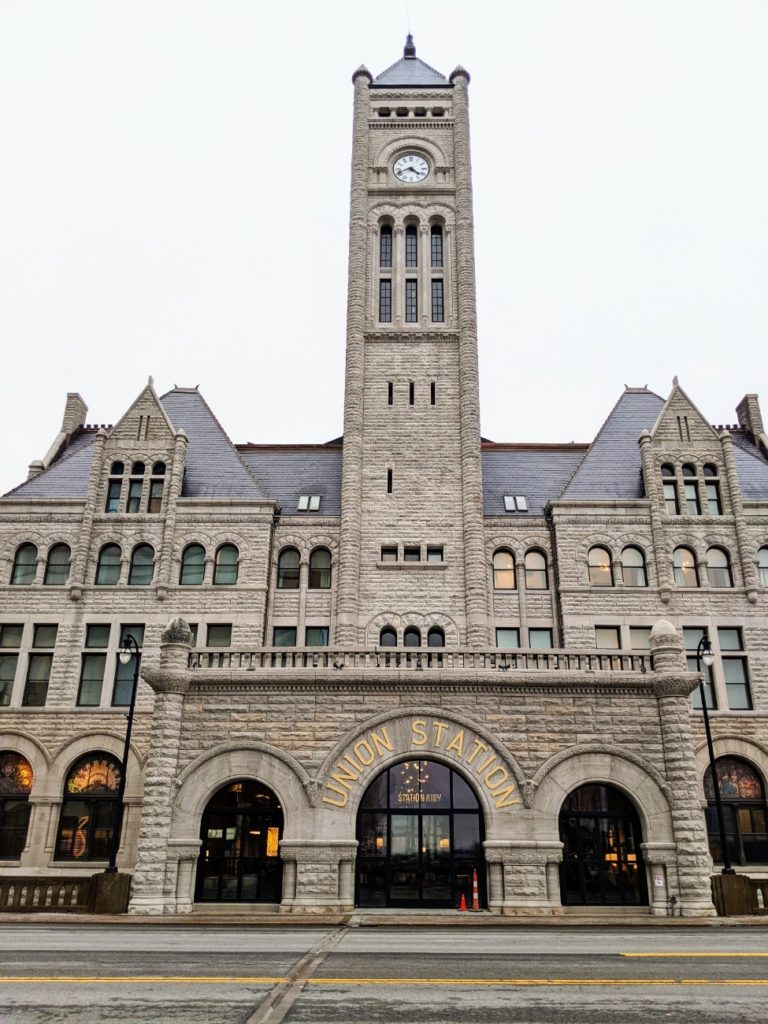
point(74, 413)
point(748, 411)
point(35, 469)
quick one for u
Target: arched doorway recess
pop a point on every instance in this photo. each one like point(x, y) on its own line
point(240, 854)
point(602, 860)
point(420, 831)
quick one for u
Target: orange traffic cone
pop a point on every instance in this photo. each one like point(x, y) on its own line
point(463, 904)
point(475, 892)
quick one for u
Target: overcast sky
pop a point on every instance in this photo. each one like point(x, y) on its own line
point(174, 183)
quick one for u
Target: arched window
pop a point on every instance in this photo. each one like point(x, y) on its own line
point(719, 568)
point(117, 469)
point(192, 565)
point(600, 567)
point(137, 469)
point(745, 813)
point(667, 469)
point(16, 778)
point(385, 245)
point(320, 569)
point(158, 469)
point(288, 569)
point(435, 637)
point(503, 570)
point(633, 567)
point(535, 571)
point(688, 469)
point(686, 571)
point(225, 565)
point(57, 565)
point(142, 567)
point(762, 565)
point(411, 246)
point(436, 235)
point(87, 820)
point(24, 565)
point(412, 637)
point(388, 637)
point(108, 566)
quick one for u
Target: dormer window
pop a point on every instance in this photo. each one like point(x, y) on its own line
point(515, 503)
point(309, 502)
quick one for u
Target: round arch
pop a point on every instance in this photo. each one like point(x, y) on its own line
point(730, 745)
point(112, 744)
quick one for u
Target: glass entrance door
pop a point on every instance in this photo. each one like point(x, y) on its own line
point(602, 861)
point(239, 858)
point(420, 832)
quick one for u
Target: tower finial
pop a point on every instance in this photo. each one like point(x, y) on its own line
point(410, 48)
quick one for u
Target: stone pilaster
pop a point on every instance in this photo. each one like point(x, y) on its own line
point(746, 551)
point(151, 889)
point(662, 556)
point(318, 875)
point(523, 877)
point(173, 493)
point(82, 549)
point(672, 686)
point(347, 627)
point(469, 395)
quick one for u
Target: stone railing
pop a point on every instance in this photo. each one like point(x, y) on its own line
point(46, 895)
point(419, 659)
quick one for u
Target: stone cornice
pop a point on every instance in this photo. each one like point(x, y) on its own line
point(675, 686)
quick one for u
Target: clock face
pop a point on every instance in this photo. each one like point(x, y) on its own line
point(411, 167)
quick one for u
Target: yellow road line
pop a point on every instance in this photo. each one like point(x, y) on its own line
point(168, 979)
point(675, 956)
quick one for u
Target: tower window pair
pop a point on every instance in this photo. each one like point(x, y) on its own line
point(411, 300)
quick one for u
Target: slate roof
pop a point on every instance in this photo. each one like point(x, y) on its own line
point(214, 467)
point(286, 472)
point(539, 474)
point(68, 474)
point(410, 71)
point(611, 467)
point(751, 465)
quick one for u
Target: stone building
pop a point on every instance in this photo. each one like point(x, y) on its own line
point(377, 670)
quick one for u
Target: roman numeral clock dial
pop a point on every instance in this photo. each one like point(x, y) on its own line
point(411, 168)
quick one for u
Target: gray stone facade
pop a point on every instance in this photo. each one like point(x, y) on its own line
point(525, 717)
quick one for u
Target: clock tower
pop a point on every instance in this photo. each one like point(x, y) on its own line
point(412, 565)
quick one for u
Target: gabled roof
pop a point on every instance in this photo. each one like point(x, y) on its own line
point(288, 471)
point(214, 468)
point(410, 72)
point(611, 467)
point(537, 472)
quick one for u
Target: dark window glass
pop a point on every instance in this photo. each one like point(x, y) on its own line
point(320, 569)
point(108, 566)
point(16, 779)
point(137, 469)
point(600, 567)
point(667, 470)
point(155, 500)
point(158, 469)
point(385, 300)
point(388, 637)
point(87, 820)
point(122, 691)
point(24, 565)
point(762, 565)
point(540, 639)
point(412, 637)
point(113, 496)
point(689, 469)
point(503, 570)
point(91, 679)
point(192, 570)
point(411, 246)
point(437, 245)
point(219, 635)
point(435, 554)
point(411, 554)
point(710, 470)
point(284, 636)
point(57, 565)
point(225, 565)
point(44, 635)
point(411, 301)
point(745, 814)
point(435, 637)
point(389, 554)
point(316, 636)
point(134, 496)
point(8, 663)
point(535, 571)
point(117, 469)
point(437, 301)
point(671, 503)
point(38, 676)
point(633, 567)
point(97, 634)
point(134, 629)
point(737, 684)
point(385, 246)
point(692, 636)
point(714, 504)
point(288, 568)
point(692, 504)
point(507, 637)
point(142, 567)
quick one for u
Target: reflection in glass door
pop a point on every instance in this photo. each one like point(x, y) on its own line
point(420, 831)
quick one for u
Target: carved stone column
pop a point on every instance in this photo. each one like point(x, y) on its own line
point(672, 686)
point(662, 556)
point(528, 879)
point(660, 860)
point(320, 877)
point(746, 551)
point(151, 889)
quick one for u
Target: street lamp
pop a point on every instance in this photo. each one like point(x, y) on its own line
point(128, 650)
point(705, 654)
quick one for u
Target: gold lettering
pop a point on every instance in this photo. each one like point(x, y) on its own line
point(419, 729)
point(476, 750)
point(358, 768)
point(440, 728)
point(486, 764)
point(365, 745)
point(501, 797)
point(498, 782)
point(381, 742)
point(342, 793)
point(346, 774)
point(457, 743)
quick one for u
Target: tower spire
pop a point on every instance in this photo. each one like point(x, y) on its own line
point(410, 47)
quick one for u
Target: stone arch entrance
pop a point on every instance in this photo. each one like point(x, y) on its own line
point(420, 830)
point(602, 849)
point(240, 835)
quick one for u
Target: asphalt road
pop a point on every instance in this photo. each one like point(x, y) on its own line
point(186, 975)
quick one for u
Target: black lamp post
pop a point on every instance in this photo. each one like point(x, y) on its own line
point(128, 650)
point(704, 654)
